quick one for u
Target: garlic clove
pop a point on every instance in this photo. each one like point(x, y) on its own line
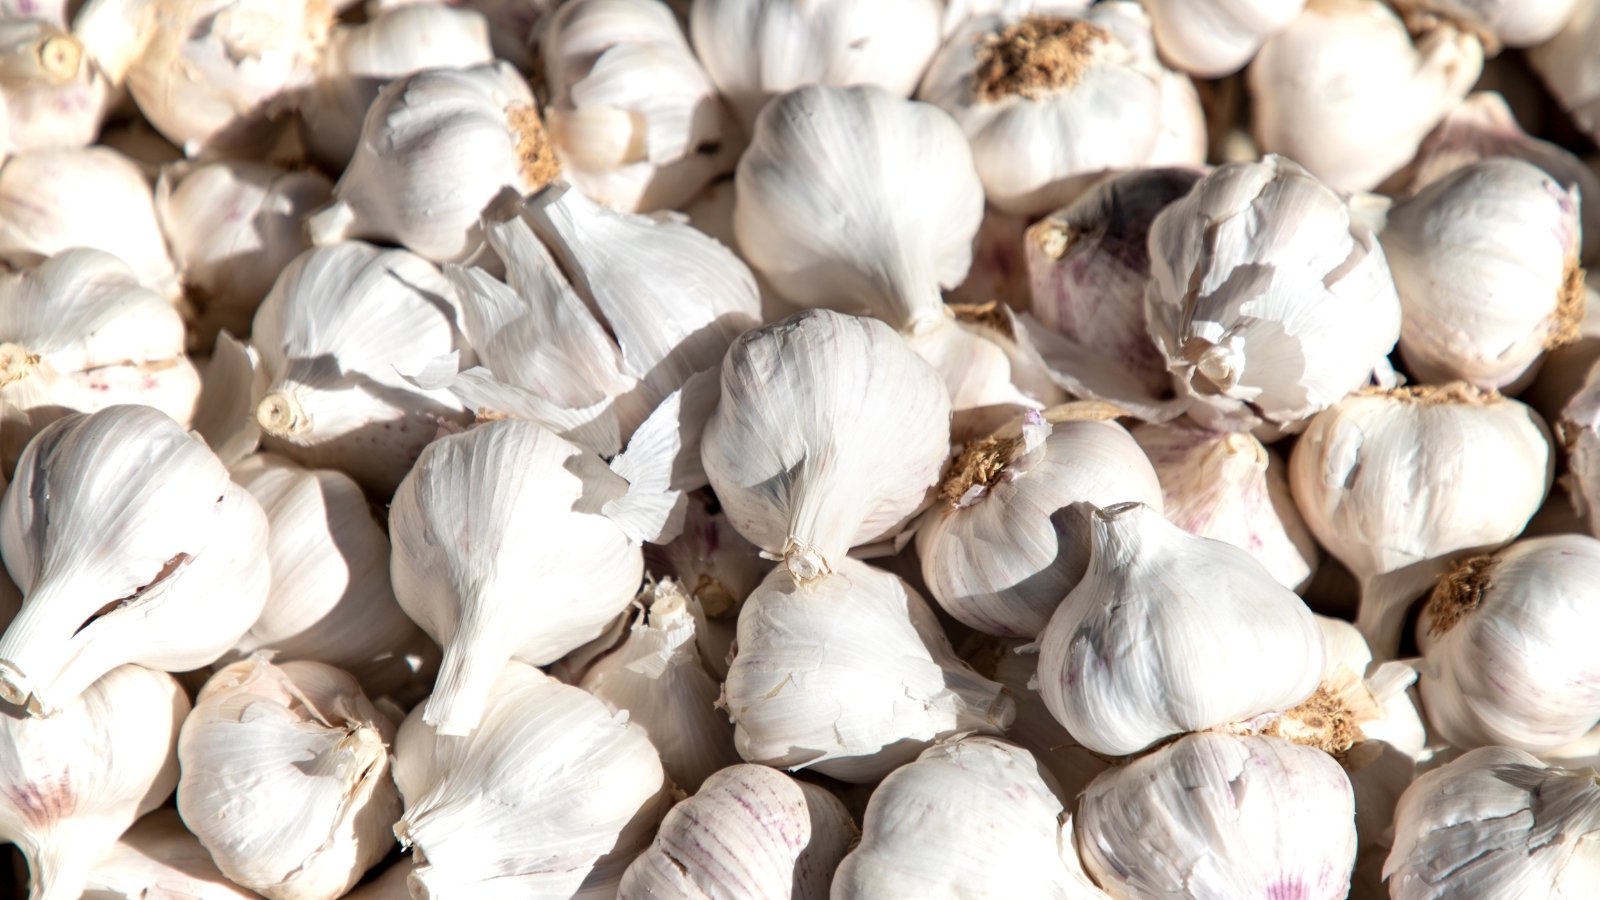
point(1213, 38)
point(158, 857)
point(1567, 65)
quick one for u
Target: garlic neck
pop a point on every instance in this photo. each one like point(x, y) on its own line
point(16, 363)
point(281, 415)
point(1035, 57)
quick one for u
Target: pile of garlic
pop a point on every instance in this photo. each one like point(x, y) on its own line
point(818, 449)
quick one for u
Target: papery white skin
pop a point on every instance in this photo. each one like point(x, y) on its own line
point(335, 335)
point(851, 675)
point(757, 50)
point(1429, 444)
point(1216, 815)
point(551, 785)
point(1168, 633)
point(514, 24)
point(52, 93)
point(1344, 92)
point(1106, 103)
point(223, 416)
point(1512, 23)
point(1570, 70)
point(1496, 822)
point(749, 832)
point(130, 545)
point(158, 856)
point(807, 464)
point(70, 785)
point(1212, 38)
point(79, 334)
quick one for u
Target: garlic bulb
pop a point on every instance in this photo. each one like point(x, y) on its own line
point(1228, 487)
point(437, 149)
point(757, 50)
point(1496, 822)
point(1269, 298)
point(635, 120)
point(53, 95)
point(334, 335)
point(969, 818)
point(286, 778)
point(657, 678)
point(1568, 66)
point(501, 552)
point(533, 803)
point(806, 463)
point(1486, 263)
point(1511, 23)
point(1054, 99)
point(1344, 92)
point(1473, 468)
point(130, 545)
point(1231, 816)
point(1202, 636)
point(158, 857)
point(1001, 547)
point(71, 784)
point(1213, 38)
point(750, 832)
point(850, 675)
point(1563, 371)
point(233, 226)
point(79, 334)
point(513, 24)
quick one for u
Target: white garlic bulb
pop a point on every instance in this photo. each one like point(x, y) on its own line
point(806, 464)
point(1054, 99)
point(1213, 38)
point(159, 857)
point(1201, 636)
point(79, 334)
point(535, 803)
point(71, 784)
point(1570, 70)
point(52, 94)
point(335, 335)
point(757, 50)
point(750, 832)
point(285, 778)
point(1269, 298)
point(130, 545)
point(1473, 468)
point(513, 24)
point(1510, 23)
point(437, 149)
point(1216, 815)
point(849, 674)
point(1001, 547)
point(969, 818)
point(1486, 263)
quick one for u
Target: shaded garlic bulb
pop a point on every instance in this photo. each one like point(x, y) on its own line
point(1511, 23)
point(969, 818)
point(1001, 547)
point(437, 149)
point(1232, 816)
point(130, 545)
point(1344, 92)
point(1212, 38)
point(79, 334)
point(1569, 68)
point(849, 674)
point(1054, 99)
point(159, 857)
point(71, 784)
point(536, 802)
point(750, 832)
point(52, 93)
point(286, 778)
point(806, 464)
point(1473, 467)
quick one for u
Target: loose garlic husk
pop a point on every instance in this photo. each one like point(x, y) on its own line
point(70, 785)
point(1270, 299)
point(286, 778)
point(1201, 635)
point(1053, 99)
point(1231, 488)
point(1569, 68)
point(1231, 816)
point(757, 50)
point(437, 150)
point(535, 803)
point(1001, 547)
point(970, 818)
point(159, 857)
point(750, 832)
point(335, 336)
point(1213, 38)
point(1486, 263)
point(79, 334)
point(1508, 23)
point(806, 464)
point(1473, 467)
point(52, 93)
point(130, 545)
point(1344, 92)
point(851, 675)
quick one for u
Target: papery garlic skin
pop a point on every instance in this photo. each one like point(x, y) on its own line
point(71, 784)
point(849, 674)
point(1568, 66)
point(1212, 38)
point(159, 857)
point(1232, 816)
point(1511, 23)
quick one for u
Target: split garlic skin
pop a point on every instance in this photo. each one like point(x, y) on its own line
point(1213, 38)
point(1569, 69)
point(159, 857)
